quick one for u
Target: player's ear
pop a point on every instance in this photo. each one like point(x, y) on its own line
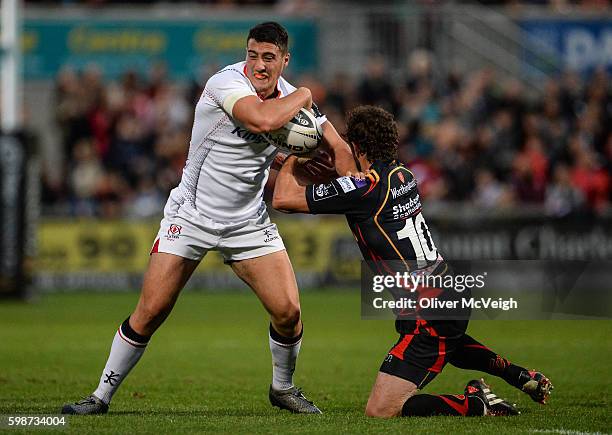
point(286, 59)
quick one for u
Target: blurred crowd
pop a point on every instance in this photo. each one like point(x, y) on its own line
point(470, 138)
point(494, 143)
point(124, 143)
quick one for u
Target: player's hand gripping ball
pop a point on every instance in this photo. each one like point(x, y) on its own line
point(319, 168)
point(302, 134)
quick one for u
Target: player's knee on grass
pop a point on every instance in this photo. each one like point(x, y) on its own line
point(382, 410)
point(388, 396)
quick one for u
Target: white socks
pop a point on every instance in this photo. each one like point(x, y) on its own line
point(127, 348)
point(284, 351)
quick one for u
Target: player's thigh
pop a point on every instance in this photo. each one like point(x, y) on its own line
point(272, 279)
point(182, 241)
point(388, 395)
point(165, 277)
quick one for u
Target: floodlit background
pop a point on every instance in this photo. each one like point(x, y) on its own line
point(505, 113)
point(504, 110)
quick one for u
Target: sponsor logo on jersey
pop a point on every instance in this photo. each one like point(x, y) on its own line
point(174, 231)
point(360, 182)
point(324, 191)
point(402, 211)
point(346, 184)
point(248, 136)
point(396, 192)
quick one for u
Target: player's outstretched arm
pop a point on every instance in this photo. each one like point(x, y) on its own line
point(289, 195)
point(264, 116)
point(343, 157)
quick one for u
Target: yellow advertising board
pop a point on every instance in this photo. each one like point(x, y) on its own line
point(315, 245)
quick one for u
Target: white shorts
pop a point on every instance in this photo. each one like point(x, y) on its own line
point(186, 233)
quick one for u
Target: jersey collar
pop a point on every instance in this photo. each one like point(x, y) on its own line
point(380, 164)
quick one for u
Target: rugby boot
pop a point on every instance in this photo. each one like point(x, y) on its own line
point(495, 406)
point(536, 385)
point(292, 400)
point(87, 406)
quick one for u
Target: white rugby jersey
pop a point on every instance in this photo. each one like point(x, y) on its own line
point(227, 166)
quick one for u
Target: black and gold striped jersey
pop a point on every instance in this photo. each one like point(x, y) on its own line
point(384, 213)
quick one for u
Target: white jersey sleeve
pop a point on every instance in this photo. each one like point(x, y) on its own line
point(227, 88)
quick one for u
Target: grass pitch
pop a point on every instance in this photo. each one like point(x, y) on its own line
point(208, 368)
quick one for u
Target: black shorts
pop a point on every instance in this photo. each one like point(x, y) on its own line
point(423, 349)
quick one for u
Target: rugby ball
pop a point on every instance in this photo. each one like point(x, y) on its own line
point(301, 134)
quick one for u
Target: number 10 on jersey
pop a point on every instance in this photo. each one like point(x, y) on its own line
point(417, 231)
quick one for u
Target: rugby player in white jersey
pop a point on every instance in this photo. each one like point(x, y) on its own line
point(219, 206)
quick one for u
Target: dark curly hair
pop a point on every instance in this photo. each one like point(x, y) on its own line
point(374, 130)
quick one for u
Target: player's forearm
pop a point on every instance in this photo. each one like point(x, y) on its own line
point(273, 114)
point(343, 156)
point(289, 196)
